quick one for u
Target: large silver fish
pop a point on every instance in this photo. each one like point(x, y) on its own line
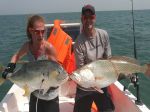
point(39, 75)
point(102, 73)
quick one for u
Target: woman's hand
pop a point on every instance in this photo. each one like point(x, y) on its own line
point(9, 69)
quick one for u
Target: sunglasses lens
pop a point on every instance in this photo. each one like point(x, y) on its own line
point(39, 31)
point(42, 31)
point(89, 17)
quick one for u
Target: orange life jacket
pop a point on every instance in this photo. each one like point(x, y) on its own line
point(62, 42)
point(71, 65)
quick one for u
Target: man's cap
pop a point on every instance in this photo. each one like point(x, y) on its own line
point(88, 8)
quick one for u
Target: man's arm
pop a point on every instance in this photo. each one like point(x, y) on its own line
point(107, 49)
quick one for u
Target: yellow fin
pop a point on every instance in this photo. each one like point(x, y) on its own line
point(2, 81)
point(147, 72)
point(124, 58)
point(98, 90)
point(26, 89)
point(22, 62)
point(145, 68)
point(45, 88)
point(1, 68)
point(54, 74)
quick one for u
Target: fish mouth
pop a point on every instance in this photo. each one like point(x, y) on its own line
point(75, 77)
point(65, 79)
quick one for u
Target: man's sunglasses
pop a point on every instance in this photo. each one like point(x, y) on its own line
point(89, 17)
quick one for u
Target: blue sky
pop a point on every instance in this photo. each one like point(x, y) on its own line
point(53, 6)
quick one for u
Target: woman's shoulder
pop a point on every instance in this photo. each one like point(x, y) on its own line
point(26, 45)
point(46, 43)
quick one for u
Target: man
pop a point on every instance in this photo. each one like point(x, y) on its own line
point(91, 44)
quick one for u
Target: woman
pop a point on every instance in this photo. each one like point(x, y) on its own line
point(36, 49)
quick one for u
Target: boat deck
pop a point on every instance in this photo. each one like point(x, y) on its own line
point(14, 101)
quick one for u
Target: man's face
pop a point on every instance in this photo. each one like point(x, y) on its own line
point(88, 20)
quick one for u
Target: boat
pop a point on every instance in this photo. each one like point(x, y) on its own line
point(123, 99)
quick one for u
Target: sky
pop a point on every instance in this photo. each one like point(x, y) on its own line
point(8, 7)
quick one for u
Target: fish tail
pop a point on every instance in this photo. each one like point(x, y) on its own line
point(147, 68)
point(1, 67)
point(2, 80)
point(144, 68)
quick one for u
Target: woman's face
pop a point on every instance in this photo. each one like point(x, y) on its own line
point(37, 31)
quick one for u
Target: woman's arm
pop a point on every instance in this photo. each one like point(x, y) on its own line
point(12, 65)
point(22, 51)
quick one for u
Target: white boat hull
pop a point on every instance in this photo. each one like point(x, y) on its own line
point(14, 101)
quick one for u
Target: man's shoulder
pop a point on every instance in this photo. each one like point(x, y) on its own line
point(101, 30)
point(103, 33)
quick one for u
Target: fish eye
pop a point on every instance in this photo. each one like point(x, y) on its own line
point(59, 72)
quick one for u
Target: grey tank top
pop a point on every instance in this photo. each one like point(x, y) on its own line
point(52, 91)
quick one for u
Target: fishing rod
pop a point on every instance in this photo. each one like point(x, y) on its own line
point(135, 78)
point(133, 28)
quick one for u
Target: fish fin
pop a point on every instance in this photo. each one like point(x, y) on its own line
point(22, 62)
point(54, 74)
point(1, 67)
point(87, 89)
point(146, 69)
point(122, 76)
point(2, 80)
point(45, 89)
point(98, 90)
point(124, 58)
point(26, 89)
